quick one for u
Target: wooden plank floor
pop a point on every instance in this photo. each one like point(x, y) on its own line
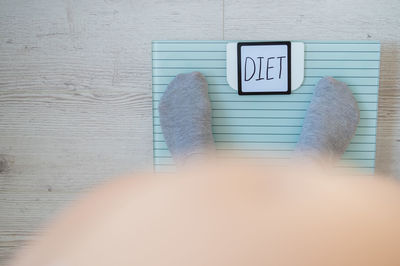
point(75, 85)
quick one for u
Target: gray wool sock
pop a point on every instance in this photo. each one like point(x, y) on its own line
point(330, 122)
point(185, 116)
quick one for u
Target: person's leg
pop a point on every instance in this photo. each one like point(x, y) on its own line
point(330, 122)
point(185, 117)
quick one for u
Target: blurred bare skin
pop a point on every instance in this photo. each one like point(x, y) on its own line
point(226, 213)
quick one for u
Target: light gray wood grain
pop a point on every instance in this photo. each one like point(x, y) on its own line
point(334, 20)
point(75, 97)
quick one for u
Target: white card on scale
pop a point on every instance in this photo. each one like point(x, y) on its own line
point(264, 67)
point(248, 64)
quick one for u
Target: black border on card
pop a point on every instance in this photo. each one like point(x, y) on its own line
point(240, 44)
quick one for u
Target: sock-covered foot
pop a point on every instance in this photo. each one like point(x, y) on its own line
point(185, 116)
point(330, 122)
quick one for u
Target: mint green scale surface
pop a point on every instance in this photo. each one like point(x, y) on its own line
point(271, 123)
